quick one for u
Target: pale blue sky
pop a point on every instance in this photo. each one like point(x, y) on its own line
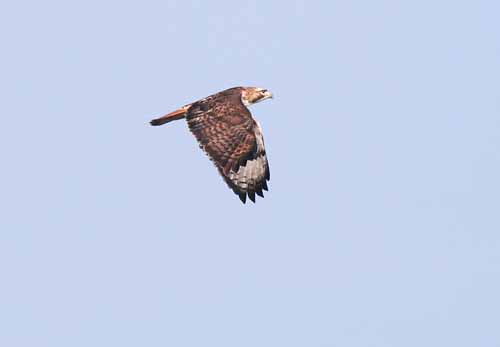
point(382, 223)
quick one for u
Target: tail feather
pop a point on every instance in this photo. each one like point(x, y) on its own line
point(178, 114)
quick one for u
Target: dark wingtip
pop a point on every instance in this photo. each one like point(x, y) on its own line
point(243, 197)
point(251, 195)
point(264, 185)
point(155, 122)
point(259, 193)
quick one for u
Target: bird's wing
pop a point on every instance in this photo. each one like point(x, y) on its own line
point(233, 140)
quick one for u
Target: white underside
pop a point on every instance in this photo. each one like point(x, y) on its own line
point(250, 174)
point(255, 170)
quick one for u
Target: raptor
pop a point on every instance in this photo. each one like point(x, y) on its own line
point(228, 134)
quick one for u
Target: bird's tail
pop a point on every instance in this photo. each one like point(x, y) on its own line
point(178, 114)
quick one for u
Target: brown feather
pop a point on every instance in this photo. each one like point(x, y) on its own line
point(227, 132)
point(177, 114)
point(230, 137)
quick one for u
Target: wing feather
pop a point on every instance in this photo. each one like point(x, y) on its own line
point(233, 140)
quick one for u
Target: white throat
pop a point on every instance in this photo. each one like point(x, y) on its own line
point(245, 102)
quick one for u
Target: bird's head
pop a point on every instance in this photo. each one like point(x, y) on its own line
point(252, 95)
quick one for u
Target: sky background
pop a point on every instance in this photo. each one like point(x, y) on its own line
point(382, 224)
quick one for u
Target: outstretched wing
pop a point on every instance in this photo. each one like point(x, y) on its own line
point(233, 140)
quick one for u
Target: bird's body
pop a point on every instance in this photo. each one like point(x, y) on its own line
point(231, 138)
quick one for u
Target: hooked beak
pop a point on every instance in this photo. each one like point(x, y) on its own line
point(267, 95)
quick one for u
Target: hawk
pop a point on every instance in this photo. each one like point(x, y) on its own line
point(232, 139)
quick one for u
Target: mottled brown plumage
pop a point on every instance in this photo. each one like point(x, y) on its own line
point(232, 139)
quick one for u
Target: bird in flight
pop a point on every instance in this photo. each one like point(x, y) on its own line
point(231, 138)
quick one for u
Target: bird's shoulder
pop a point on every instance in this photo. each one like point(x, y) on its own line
point(224, 107)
